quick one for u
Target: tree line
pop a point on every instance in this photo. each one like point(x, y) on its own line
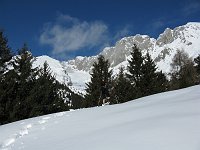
point(142, 77)
point(26, 91)
point(29, 92)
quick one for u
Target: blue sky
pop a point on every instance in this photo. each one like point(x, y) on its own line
point(64, 29)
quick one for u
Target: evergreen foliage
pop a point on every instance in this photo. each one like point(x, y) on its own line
point(122, 89)
point(152, 81)
point(44, 95)
point(5, 51)
point(142, 72)
point(148, 77)
point(23, 77)
point(26, 92)
point(197, 66)
point(100, 73)
point(5, 57)
point(135, 71)
point(197, 61)
point(162, 83)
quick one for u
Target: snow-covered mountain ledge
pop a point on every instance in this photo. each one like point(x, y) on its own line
point(165, 121)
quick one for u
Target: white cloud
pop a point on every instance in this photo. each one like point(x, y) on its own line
point(70, 34)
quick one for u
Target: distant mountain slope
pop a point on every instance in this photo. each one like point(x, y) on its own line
point(162, 50)
point(56, 67)
point(165, 121)
point(68, 75)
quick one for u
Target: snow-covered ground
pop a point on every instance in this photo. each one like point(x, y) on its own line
point(166, 121)
point(79, 79)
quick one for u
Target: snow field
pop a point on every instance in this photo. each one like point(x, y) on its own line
point(165, 121)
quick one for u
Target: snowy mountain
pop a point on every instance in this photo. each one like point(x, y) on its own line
point(162, 50)
point(66, 74)
point(165, 121)
point(56, 67)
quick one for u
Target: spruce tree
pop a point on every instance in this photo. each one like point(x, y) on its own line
point(162, 83)
point(197, 66)
point(100, 73)
point(122, 91)
point(45, 94)
point(152, 81)
point(8, 97)
point(5, 57)
point(197, 61)
point(148, 77)
point(5, 51)
point(142, 72)
point(24, 77)
point(135, 71)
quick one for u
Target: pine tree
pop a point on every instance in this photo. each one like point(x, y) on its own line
point(100, 73)
point(197, 61)
point(144, 76)
point(24, 77)
point(197, 66)
point(5, 51)
point(149, 76)
point(5, 57)
point(45, 94)
point(152, 81)
point(135, 71)
point(162, 83)
point(9, 96)
point(122, 91)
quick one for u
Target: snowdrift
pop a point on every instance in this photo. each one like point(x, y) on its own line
point(166, 121)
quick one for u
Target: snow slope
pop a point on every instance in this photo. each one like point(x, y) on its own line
point(56, 68)
point(75, 79)
point(166, 121)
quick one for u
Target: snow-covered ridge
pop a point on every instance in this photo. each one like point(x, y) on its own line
point(65, 74)
point(165, 121)
point(162, 50)
point(56, 67)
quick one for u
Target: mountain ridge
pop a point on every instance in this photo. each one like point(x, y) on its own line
point(146, 43)
point(162, 50)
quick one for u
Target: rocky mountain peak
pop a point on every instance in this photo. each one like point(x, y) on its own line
point(162, 50)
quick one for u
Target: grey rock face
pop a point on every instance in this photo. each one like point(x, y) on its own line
point(165, 38)
point(116, 54)
point(159, 49)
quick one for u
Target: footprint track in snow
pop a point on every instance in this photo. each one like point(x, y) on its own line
point(8, 143)
point(11, 140)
